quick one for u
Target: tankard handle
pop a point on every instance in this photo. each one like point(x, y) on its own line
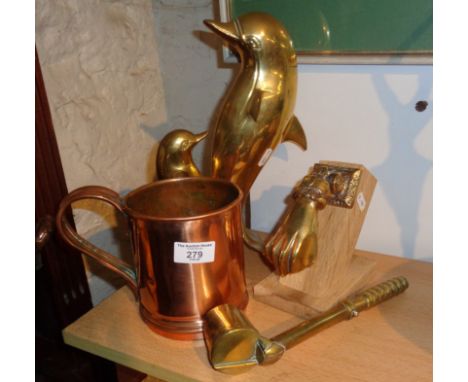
point(69, 234)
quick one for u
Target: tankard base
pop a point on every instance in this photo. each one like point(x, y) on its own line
point(180, 329)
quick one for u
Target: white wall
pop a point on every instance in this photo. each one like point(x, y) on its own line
point(363, 114)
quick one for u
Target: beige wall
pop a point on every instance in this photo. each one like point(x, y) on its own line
point(119, 76)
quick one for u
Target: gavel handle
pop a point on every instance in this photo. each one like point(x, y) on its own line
point(347, 309)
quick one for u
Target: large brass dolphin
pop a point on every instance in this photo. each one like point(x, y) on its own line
point(256, 117)
point(258, 112)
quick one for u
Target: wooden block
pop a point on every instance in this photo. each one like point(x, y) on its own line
point(337, 271)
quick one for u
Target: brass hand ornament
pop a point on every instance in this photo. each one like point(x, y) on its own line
point(292, 247)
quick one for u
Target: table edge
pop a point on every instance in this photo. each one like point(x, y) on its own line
point(121, 358)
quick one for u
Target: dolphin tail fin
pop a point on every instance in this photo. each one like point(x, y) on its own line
point(295, 133)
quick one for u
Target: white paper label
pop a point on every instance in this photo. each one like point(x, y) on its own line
point(194, 253)
point(361, 201)
point(266, 155)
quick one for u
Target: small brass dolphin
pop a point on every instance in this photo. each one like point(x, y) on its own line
point(174, 157)
point(258, 113)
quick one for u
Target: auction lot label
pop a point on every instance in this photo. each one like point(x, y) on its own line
point(194, 253)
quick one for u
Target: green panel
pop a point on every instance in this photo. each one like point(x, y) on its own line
point(366, 26)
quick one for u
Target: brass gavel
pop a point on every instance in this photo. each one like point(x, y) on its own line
point(234, 345)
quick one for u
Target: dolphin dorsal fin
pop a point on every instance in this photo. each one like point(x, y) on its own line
point(295, 133)
point(255, 102)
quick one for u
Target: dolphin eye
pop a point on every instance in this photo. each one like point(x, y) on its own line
point(253, 42)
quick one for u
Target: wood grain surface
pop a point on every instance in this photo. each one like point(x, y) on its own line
point(392, 342)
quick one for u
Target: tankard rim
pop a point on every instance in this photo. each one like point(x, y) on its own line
point(139, 215)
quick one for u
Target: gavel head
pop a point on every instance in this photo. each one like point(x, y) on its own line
point(234, 345)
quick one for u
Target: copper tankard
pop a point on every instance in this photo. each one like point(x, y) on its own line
point(187, 249)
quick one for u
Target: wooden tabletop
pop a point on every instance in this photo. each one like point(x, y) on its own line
point(391, 342)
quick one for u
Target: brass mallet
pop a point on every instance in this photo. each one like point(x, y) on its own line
point(234, 345)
